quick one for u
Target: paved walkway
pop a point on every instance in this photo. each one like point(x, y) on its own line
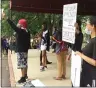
point(45, 77)
point(4, 73)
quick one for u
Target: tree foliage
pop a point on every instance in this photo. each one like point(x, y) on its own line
point(34, 20)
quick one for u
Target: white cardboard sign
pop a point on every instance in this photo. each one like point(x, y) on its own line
point(75, 69)
point(69, 19)
point(37, 83)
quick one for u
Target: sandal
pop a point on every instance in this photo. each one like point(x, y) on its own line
point(63, 77)
point(58, 78)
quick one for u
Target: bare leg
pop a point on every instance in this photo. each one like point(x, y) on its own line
point(59, 65)
point(41, 58)
point(44, 58)
point(26, 70)
point(23, 72)
point(64, 64)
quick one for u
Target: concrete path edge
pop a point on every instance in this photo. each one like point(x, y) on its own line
point(11, 72)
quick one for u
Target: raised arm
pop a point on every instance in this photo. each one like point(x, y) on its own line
point(14, 27)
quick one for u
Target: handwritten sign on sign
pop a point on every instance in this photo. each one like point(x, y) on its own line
point(69, 19)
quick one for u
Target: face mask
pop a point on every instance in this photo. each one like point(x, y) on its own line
point(87, 31)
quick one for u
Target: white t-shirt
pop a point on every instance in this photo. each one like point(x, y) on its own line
point(44, 40)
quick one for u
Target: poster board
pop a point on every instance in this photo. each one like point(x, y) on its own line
point(37, 83)
point(69, 19)
point(75, 69)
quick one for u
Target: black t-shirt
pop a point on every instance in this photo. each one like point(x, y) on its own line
point(78, 42)
point(90, 51)
point(22, 37)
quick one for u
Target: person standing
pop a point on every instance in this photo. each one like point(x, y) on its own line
point(78, 39)
point(45, 45)
point(61, 52)
point(53, 42)
point(88, 54)
point(2, 45)
point(23, 44)
point(5, 45)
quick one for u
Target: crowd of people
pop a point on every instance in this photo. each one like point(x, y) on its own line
point(88, 53)
point(4, 45)
point(8, 43)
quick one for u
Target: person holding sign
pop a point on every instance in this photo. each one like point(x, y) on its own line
point(61, 52)
point(78, 39)
point(88, 74)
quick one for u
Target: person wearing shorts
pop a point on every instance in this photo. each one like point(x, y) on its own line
point(23, 44)
point(45, 43)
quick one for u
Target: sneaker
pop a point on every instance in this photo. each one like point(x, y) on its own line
point(49, 62)
point(22, 80)
point(42, 68)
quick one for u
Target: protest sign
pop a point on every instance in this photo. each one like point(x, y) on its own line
point(69, 19)
point(75, 69)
